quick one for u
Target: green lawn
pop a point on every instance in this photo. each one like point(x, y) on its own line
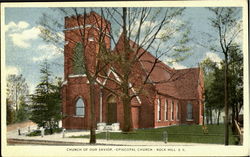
point(181, 133)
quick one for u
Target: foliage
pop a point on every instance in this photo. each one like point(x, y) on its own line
point(10, 116)
point(235, 70)
point(46, 132)
point(46, 107)
point(17, 88)
point(214, 77)
point(22, 114)
point(209, 67)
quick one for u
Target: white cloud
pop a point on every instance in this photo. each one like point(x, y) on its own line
point(173, 64)
point(178, 66)
point(47, 52)
point(10, 70)
point(235, 31)
point(12, 26)
point(213, 56)
point(22, 39)
point(170, 29)
point(32, 88)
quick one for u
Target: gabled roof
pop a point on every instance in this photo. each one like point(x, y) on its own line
point(181, 84)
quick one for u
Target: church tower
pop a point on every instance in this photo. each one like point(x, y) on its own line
point(83, 35)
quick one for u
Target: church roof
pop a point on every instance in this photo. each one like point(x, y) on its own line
point(180, 84)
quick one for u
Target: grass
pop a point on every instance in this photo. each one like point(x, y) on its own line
point(181, 133)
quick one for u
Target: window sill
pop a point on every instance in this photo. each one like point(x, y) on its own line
point(78, 116)
point(79, 75)
point(189, 120)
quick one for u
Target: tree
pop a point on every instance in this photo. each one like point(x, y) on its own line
point(228, 26)
point(213, 73)
point(22, 114)
point(17, 88)
point(235, 70)
point(10, 112)
point(160, 26)
point(125, 60)
point(216, 98)
point(208, 68)
point(46, 107)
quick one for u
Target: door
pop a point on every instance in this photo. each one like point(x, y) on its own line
point(111, 110)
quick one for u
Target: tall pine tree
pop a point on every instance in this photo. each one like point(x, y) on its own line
point(46, 108)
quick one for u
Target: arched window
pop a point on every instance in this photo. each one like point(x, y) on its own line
point(80, 107)
point(166, 110)
point(189, 111)
point(172, 110)
point(78, 64)
point(177, 111)
point(159, 109)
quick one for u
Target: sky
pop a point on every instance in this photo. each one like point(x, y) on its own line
point(25, 50)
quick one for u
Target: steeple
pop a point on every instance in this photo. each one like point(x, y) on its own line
point(86, 30)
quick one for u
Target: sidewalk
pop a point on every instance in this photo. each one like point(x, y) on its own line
point(57, 138)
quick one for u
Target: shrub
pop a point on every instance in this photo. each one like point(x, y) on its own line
point(46, 132)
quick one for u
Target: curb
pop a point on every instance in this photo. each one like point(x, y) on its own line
point(14, 141)
point(41, 142)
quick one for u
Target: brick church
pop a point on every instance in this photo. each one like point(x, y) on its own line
point(177, 100)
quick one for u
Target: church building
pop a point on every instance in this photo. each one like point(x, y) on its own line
point(177, 100)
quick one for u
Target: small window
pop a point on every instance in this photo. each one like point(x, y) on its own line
point(80, 107)
point(159, 109)
point(189, 111)
point(166, 110)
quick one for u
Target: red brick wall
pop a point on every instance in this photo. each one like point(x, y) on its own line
point(146, 111)
point(77, 87)
point(135, 117)
point(169, 121)
point(74, 36)
point(196, 113)
point(106, 94)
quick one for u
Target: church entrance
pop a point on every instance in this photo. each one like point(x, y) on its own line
point(111, 110)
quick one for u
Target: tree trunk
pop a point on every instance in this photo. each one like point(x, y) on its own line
point(237, 113)
point(207, 115)
point(203, 114)
point(211, 115)
point(226, 99)
point(16, 99)
point(218, 118)
point(233, 118)
point(126, 71)
point(92, 111)
point(127, 114)
point(233, 113)
point(50, 127)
